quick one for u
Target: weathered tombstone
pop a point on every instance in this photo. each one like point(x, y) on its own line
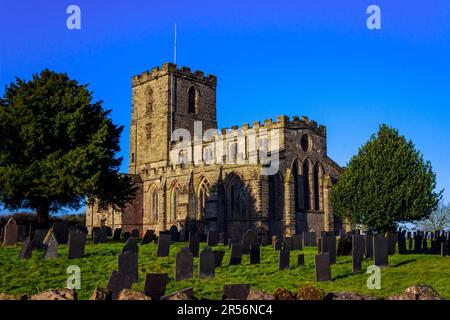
point(219, 254)
point(323, 268)
point(61, 231)
point(235, 291)
point(77, 242)
point(131, 246)
point(99, 235)
point(236, 254)
point(410, 243)
point(255, 254)
point(357, 252)
point(328, 245)
point(288, 244)
point(148, 237)
point(135, 233)
point(417, 243)
point(126, 235)
point(297, 242)
point(283, 260)
point(401, 243)
point(128, 264)
point(26, 251)
point(38, 240)
point(368, 246)
point(11, 233)
point(380, 251)
point(184, 264)
point(51, 248)
point(155, 285)
point(163, 248)
point(194, 244)
point(174, 234)
point(117, 282)
point(207, 264)
point(391, 239)
point(248, 239)
point(300, 260)
point(344, 247)
point(212, 238)
point(443, 249)
point(425, 244)
point(117, 233)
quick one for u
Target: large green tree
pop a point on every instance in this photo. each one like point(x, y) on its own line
point(58, 148)
point(385, 183)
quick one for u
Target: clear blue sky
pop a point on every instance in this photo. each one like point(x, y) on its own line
point(314, 58)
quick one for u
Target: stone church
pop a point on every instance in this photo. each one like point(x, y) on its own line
point(217, 181)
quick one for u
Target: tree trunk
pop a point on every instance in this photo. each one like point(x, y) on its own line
point(42, 217)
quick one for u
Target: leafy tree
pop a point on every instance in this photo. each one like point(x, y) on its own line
point(385, 183)
point(439, 219)
point(58, 148)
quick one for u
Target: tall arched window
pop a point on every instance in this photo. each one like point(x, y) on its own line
point(275, 189)
point(237, 198)
point(318, 176)
point(296, 186)
point(149, 100)
point(306, 184)
point(201, 200)
point(193, 100)
point(174, 204)
point(154, 205)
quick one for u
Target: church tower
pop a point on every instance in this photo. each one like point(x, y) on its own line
point(163, 100)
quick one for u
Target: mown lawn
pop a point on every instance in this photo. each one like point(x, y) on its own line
point(34, 275)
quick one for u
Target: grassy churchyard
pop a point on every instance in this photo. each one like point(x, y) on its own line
point(36, 274)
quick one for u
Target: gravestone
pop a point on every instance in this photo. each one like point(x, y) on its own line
point(131, 246)
point(443, 249)
point(99, 235)
point(26, 251)
point(368, 246)
point(77, 242)
point(11, 233)
point(235, 291)
point(225, 241)
point(51, 248)
point(410, 243)
point(417, 243)
point(38, 240)
point(328, 245)
point(108, 231)
point(401, 243)
point(117, 233)
point(128, 264)
point(135, 233)
point(323, 268)
point(126, 235)
point(344, 247)
point(288, 244)
point(117, 282)
point(357, 252)
point(212, 238)
point(207, 264)
point(61, 231)
point(278, 244)
point(283, 259)
point(174, 234)
point(155, 285)
point(184, 264)
point(425, 244)
point(163, 248)
point(255, 254)
point(248, 239)
point(219, 254)
point(391, 239)
point(148, 237)
point(297, 242)
point(236, 254)
point(307, 239)
point(300, 260)
point(380, 251)
point(194, 244)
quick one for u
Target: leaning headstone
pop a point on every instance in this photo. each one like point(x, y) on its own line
point(236, 254)
point(300, 260)
point(368, 246)
point(184, 264)
point(77, 242)
point(117, 233)
point(323, 268)
point(283, 260)
point(212, 238)
point(38, 240)
point(235, 291)
point(148, 237)
point(51, 248)
point(380, 250)
point(328, 245)
point(297, 242)
point(131, 246)
point(128, 264)
point(163, 248)
point(155, 285)
point(117, 282)
point(207, 264)
point(194, 244)
point(357, 252)
point(11, 233)
point(61, 231)
point(218, 254)
point(248, 239)
point(255, 254)
point(26, 251)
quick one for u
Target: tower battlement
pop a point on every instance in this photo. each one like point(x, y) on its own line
point(171, 68)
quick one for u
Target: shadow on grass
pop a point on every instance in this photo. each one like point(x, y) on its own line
point(403, 263)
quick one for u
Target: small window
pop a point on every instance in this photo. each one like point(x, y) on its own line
point(304, 141)
point(193, 100)
point(148, 131)
point(149, 101)
point(132, 158)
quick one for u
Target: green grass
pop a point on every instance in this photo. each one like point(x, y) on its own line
point(35, 275)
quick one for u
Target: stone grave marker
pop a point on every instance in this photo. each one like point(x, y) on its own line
point(11, 233)
point(26, 251)
point(212, 238)
point(207, 264)
point(391, 242)
point(425, 244)
point(131, 246)
point(344, 247)
point(99, 235)
point(417, 243)
point(155, 285)
point(368, 246)
point(194, 244)
point(117, 282)
point(135, 233)
point(174, 234)
point(219, 254)
point(288, 244)
point(235, 291)
point(61, 231)
point(38, 240)
point(323, 268)
point(380, 250)
point(77, 242)
point(128, 265)
point(248, 239)
point(117, 233)
point(357, 252)
point(410, 243)
point(51, 248)
point(148, 237)
point(278, 244)
point(236, 254)
point(300, 260)
point(443, 249)
point(163, 248)
point(126, 235)
point(283, 259)
point(297, 242)
point(255, 254)
point(328, 245)
point(184, 264)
